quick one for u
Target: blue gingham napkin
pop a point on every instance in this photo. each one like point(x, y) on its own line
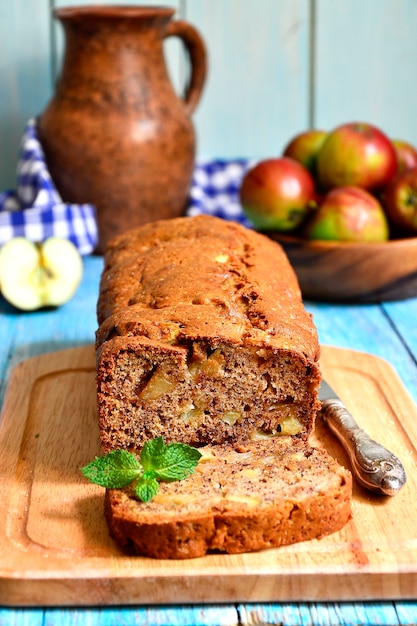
point(36, 210)
point(215, 189)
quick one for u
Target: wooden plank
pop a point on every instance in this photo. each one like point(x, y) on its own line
point(22, 617)
point(358, 614)
point(403, 316)
point(365, 55)
point(258, 90)
point(256, 96)
point(406, 612)
point(354, 614)
point(25, 77)
point(55, 547)
point(213, 615)
point(367, 328)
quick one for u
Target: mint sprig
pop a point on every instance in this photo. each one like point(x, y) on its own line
point(114, 470)
point(158, 461)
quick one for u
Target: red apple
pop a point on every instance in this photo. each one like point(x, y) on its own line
point(406, 155)
point(356, 154)
point(349, 214)
point(400, 200)
point(304, 148)
point(277, 194)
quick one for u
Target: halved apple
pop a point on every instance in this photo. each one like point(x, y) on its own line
point(33, 276)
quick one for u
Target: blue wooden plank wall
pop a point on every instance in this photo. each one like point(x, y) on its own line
point(275, 68)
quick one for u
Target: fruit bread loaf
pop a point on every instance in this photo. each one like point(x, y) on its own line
point(241, 498)
point(203, 338)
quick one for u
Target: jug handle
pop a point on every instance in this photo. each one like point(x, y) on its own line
point(196, 49)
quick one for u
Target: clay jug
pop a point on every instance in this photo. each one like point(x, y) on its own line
point(115, 133)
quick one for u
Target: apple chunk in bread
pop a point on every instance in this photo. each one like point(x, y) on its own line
point(33, 275)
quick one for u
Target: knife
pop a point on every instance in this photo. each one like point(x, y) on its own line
point(375, 467)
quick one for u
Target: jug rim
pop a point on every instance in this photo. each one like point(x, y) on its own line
point(112, 10)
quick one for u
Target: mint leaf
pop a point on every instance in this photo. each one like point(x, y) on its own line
point(146, 488)
point(177, 462)
point(152, 454)
point(158, 461)
point(174, 461)
point(114, 470)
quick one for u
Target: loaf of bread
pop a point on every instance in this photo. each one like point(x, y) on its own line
point(241, 498)
point(203, 338)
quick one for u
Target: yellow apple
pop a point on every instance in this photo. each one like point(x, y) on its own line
point(33, 276)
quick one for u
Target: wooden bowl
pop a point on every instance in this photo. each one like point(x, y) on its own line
point(353, 272)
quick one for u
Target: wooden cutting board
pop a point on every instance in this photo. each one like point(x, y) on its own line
point(54, 545)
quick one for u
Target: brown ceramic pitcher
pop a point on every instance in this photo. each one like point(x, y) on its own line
point(115, 134)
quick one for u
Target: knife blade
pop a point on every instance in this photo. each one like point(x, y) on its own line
point(374, 466)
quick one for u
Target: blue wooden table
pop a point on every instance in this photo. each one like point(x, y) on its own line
point(387, 330)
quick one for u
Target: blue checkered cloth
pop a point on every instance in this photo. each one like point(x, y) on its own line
point(215, 189)
point(36, 210)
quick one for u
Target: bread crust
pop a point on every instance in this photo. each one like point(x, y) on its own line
point(186, 264)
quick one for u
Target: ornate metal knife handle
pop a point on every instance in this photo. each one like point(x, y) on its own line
point(375, 467)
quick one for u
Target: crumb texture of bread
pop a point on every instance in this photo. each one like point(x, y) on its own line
point(241, 498)
point(203, 338)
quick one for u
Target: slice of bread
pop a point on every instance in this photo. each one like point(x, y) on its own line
point(241, 498)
